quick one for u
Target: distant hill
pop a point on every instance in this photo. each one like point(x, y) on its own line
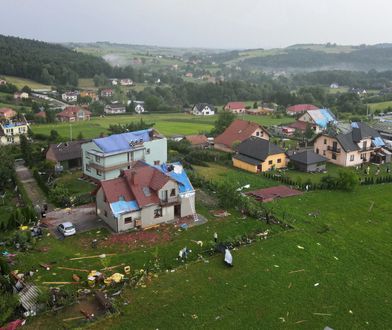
point(47, 63)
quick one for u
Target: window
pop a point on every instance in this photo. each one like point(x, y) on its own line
point(279, 160)
point(105, 213)
point(156, 162)
point(270, 162)
point(325, 141)
point(351, 158)
point(148, 151)
point(158, 212)
point(324, 153)
point(99, 173)
point(88, 168)
point(257, 133)
point(173, 192)
point(333, 156)
point(127, 220)
point(317, 150)
point(97, 159)
point(10, 139)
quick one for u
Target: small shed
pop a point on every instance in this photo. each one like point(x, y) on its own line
point(308, 161)
point(269, 194)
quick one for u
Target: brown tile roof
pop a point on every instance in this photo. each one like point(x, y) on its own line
point(197, 139)
point(235, 105)
point(239, 130)
point(41, 114)
point(7, 113)
point(72, 112)
point(269, 194)
point(141, 183)
point(298, 108)
point(300, 125)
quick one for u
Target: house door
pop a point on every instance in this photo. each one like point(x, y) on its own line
point(258, 168)
point(177, 210)
point(334, 145)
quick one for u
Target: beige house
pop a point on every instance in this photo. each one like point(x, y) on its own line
point(362, 144)
point(11, 131)
point(145, 196)
point(317, 118)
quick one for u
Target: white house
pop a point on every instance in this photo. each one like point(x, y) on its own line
point(69, 97)
point(114, 108)
point(139, 106)
point(126, 82)
point(203, 109)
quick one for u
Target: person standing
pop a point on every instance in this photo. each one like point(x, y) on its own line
point(215, 237)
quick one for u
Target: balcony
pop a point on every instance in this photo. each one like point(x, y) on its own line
point(336, 150)
point(170, 201)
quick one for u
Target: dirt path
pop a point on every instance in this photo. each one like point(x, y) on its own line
point(35, 193)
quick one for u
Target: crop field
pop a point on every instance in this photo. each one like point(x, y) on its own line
point(167, 124)
point(380, 106)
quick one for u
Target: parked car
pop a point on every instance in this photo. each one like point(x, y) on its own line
point(67, 228)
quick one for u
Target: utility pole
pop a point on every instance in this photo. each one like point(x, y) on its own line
point(70, 131)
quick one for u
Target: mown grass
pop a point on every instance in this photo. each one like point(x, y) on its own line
point(332, 270)
point(380, 105)
point(72, 181)
point(167, 124)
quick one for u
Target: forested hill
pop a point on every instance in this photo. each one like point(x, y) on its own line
point(47, 63)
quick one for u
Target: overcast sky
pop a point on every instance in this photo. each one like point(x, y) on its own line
point(200, 23)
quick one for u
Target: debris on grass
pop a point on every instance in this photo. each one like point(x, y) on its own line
point(322, 314)
point(75, 269)
point(316, 284)
point(336, 258)
point(300, 247)
point(296, 271)
point(46, 266)
point(351, 312)
point(277, 266)
point(220, 213)
point(194, 316)
point(301, 321)
point(102, 256)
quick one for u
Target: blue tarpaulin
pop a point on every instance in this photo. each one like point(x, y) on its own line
point(322, 117)
point(123, 207)
point(378, 142)
point(181, 177)
point(121, 142)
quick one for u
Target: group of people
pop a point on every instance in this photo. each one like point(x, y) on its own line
point(367, 169)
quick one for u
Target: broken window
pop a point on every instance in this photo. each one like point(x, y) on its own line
point(158, 212)
point(173, 192)
point(127, 220)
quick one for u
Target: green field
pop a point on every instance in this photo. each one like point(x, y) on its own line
point(71, 181)
point(21, 82)
point(167, 124)
point(380, 106)
point(330, 270)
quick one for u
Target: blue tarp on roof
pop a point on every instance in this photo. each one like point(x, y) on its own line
point(378, 142)
point(182, 178)
point(120, 142)
point(354, 125)
point(322, 117)
point(123, 207)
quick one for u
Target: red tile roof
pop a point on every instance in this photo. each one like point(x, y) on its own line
point(300, 125)
point(7, 112)
point(235, 105)
point(72, 112)
point(141, 183)
point(41, 114)
point(239, 130)
point(197, 139)
point(301, 108)
point(269, 194)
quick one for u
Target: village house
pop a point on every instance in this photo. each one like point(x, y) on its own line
point(104, 158)
point(3, 82)
point(70, 97)
point(66, 155)
point(235, 107)
point(7, 113)
point(145, 196)
point(260, 111)
point(258, 155)
point(93, 95)
point(70, 114)
point(300, 108)
point(41, 115)
point(10, 131)
point(107, 92)
point(203, 109)
point(21, 95)
point(115, 108)
point(238, 131)
point(139, 106)
point(126, 82)
point(308, 161)
point(361, 145)
point(198, 141)
point(317, 119)
point(334, 85)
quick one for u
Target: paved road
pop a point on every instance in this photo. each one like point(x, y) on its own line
point(33, 190)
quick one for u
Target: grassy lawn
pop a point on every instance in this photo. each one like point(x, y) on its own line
point(21, 82)
point(380, 105)
point(86, 83)
point(331, 270)
point(167, 124)
point(333, 170)
point(217, 173)
point(71, 181)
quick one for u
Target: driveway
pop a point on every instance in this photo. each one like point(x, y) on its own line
point(34, 192)
point(83, 217)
